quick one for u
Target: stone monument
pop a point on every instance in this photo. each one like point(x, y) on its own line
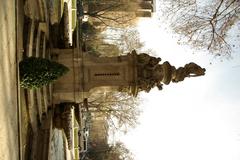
point(130, 73)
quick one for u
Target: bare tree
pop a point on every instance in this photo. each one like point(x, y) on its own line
point(130, 40)
point(112, 13)
point(203, 24)
point(111, 152)
point(120, 152)
point(120, 109)
point(95, 42)
point(127, 39)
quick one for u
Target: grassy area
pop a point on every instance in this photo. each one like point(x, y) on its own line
point(62, 4)
point(74, 14)
point(74, 19)
point(76, 141)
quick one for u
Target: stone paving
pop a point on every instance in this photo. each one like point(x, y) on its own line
point(26, 115)
point(20, 121)
point(57, 145)
point(8, 83)
point(37, 102)
point(39, 105)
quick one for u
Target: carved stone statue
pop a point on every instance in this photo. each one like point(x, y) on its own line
point(151, 74)
point(189, 70)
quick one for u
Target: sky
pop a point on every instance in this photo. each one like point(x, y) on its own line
point(197, 119)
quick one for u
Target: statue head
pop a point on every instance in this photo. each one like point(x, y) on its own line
point(194, 70)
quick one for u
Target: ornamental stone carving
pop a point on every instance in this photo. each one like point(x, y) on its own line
point(151, 74)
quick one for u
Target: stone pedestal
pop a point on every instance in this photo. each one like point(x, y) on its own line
point(88, 72)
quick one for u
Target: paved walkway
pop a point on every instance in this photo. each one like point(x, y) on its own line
point(57, 151)
point(9, 133)
point(8, 89)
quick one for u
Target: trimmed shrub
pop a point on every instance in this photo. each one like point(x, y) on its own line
point(37, 72)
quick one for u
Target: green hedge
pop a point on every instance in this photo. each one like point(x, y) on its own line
point(37, 72)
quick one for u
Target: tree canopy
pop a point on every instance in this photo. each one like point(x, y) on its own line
point(117, 151)
point(126, 39)
point(112, 13)
point(203, 24)
point(120, 109)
